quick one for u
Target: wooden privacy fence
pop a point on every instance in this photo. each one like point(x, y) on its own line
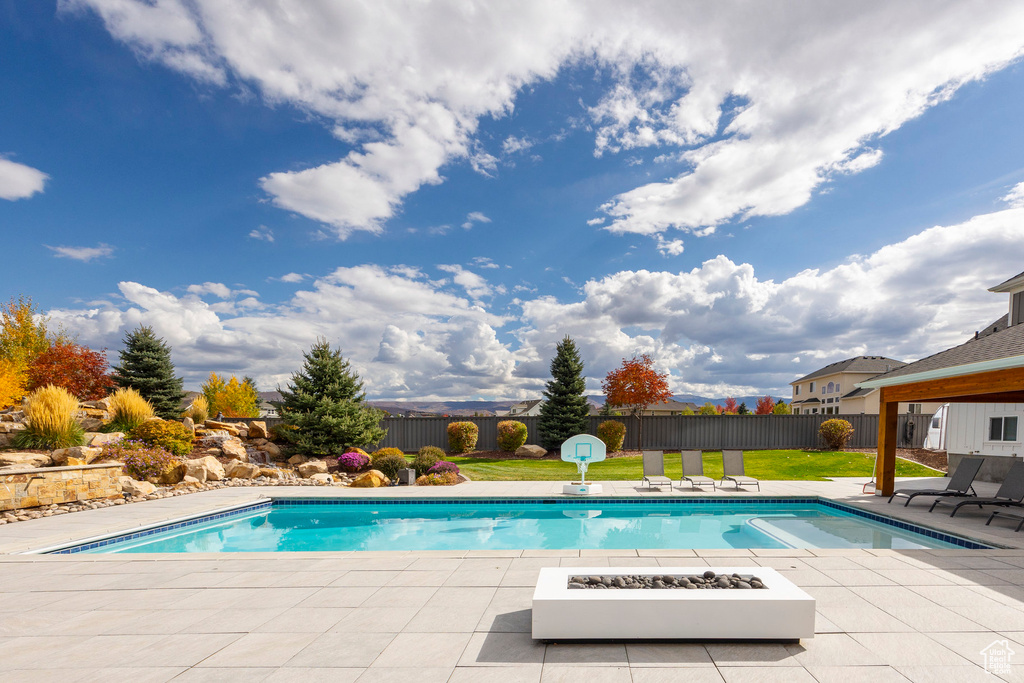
point(664, 432)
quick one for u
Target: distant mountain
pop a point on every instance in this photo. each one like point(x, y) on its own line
point(751, 401)
point(459, 408)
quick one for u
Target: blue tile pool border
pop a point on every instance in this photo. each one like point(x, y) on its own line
point(766, 501)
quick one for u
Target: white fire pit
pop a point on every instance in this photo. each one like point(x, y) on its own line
point(779, 611)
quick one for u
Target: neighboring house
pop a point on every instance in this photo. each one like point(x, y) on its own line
point(994, 431)
point(832, 390)
point(522, 409)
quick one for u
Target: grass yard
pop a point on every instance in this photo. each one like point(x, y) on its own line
point(768, 465)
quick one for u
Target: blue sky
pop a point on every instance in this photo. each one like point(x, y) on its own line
point(446, 193)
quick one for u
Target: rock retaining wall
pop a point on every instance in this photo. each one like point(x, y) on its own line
point(34, 487)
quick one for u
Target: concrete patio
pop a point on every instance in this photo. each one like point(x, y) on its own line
point(883, 615)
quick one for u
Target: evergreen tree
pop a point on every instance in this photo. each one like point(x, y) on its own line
point(146, 367)
point(565, 412)
point(324, 406)
point(743, 409)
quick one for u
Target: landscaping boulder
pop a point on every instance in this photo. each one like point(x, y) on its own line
point(272, 450)
point(371, 479)
point(257, 429)
point(190, 481)
point(233, 448)
point(207, 468)
point(17, 459)
point(91, 424)
point(11, 427)
point(100, 439)
point(222, 426)
point(297, 459)
point(136, 488)
point(308, 469)
point(237, 469)
point(187, 421)
point(322, 479)
point(272, 473)
point(172, 474)
point(531, 451)
point(86, 454)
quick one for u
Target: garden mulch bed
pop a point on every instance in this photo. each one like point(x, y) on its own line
point(934, 459)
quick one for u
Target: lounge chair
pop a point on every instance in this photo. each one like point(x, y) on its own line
point(654, 469)
point(1010, 493)
point(693, 470)
point(960, 485)
point(732, 465)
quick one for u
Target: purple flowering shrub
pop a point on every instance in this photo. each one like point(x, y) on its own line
point(353, 462)
point(140, 460)
point(443, 466)
point(438, 479)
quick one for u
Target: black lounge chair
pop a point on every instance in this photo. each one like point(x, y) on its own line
point(1010, 493)
point(960, 484)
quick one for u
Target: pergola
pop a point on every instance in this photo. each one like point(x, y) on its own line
point(986, 369)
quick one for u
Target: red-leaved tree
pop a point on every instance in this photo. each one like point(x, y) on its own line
point(764, 406)
point(731, 407)
point(78, 369)
point(635, 385)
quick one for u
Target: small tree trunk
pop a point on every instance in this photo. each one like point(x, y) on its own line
point(640, 431)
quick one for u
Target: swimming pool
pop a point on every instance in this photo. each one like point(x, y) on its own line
point(331, 524)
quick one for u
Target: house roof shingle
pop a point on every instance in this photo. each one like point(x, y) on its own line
point(874, 365)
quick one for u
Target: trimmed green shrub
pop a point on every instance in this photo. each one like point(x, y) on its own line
point(835, 433)
point(171, 436)
point(511, 435)
point(613, 433)
point(426, 458)
point(462, 437)
point(389, 464)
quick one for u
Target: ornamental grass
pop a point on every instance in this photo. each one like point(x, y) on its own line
point(128, 409)
point(199, 411)
point(50, 423)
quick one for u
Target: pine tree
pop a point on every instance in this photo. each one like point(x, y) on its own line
point(324, 405)
point(565, 411)
point(146, 367)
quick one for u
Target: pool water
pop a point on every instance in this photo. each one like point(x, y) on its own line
point(526, 525)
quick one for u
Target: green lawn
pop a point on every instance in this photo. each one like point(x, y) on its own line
point(778, 465)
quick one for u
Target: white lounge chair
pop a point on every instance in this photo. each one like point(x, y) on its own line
point(654, 469)
point(693, 470)
point(732, 466)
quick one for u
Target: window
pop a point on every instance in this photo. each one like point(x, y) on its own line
point(812, 387)
point(796, 390)
point(796, 411)
point(837, 388)
point(1002, 428)
point(831, 387)
point(914, 408)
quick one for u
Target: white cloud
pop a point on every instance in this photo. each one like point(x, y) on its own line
point(262, 233)
point(18, 181)
point(475, 285)
point(597, 221)
point(512, 144)
point(475, 217)
point(292, 277)
point(84, 254)
point(762, 107)
point(1015, 197)
point(218, 289)
point(669, 247)
point(484, 262)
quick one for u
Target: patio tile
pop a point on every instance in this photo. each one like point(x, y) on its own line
point(408, 650)
point(750, 654)
point(745, 674)
point(225, 675)
point(315, 675)
point(338, 596)
point(502, 650)
point(509, 611)
point(350, 649)
point(135, 675)
point(909, 649)
point(376, 619)
point(859, 577)
point(317, 579)
point(431, 577)
point(497, 674)
point(585, 674)
point(656, 675)
point(375, 578)
point(305, 620)
point(833, 649)
point(590, 654)
point(856, 674)
point(945, 674)
point(452, 610)
point(667, 655)
point(233, 620)
point(260, 650)
point(386, 675)
point(183, 650)
point(401, 596)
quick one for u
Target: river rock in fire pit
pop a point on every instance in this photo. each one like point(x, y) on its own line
point(667, 582)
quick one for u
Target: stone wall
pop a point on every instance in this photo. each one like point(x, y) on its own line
point(29, 487)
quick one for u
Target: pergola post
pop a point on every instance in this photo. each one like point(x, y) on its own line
point(888, 421)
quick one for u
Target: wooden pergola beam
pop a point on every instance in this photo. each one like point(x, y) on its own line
point(997, 386)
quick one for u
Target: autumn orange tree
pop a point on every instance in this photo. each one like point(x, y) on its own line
point(23, 336)
point(731, 407)
point(764, 406)
point(79, 369)
point(635, 385)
